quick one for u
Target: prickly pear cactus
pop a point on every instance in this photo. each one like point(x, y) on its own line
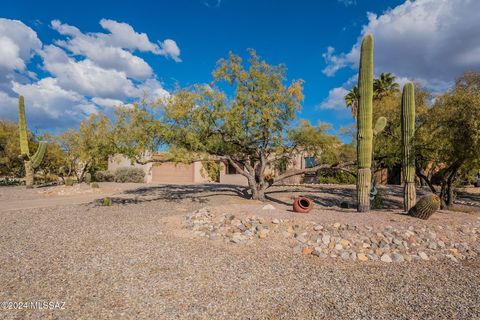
point(425, 207)
point(364, 125)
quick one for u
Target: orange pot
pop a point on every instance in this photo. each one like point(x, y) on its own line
point(302, 205)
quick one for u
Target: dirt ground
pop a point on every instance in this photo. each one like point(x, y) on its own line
point(134, 260)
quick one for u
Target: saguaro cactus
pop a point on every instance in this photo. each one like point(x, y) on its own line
point(408, 130)
point(30, 162)
point(364, 124)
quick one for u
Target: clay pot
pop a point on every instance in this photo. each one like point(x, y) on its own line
point(302, 205)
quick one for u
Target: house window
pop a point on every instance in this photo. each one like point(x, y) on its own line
point(309, 162)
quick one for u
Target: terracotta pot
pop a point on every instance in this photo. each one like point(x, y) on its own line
point(302, 205)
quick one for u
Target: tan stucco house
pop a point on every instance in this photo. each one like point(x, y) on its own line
point(171, 173)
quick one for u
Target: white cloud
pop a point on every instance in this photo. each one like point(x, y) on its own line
point(18, 42)
point(87, 71)
point(170, 49)
point(84, 76)
point(8, 105)
point(431, 41)
point(109, 103)
point(46, 101)
point(114, 50)
point(335, 99)
point(122, 35)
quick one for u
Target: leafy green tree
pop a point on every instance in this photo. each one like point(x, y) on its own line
point(10, 163)
point(138, 131)
point(448, 136)
point(88, 147)
point(244, 117)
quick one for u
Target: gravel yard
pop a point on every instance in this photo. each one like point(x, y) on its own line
point(137, 260)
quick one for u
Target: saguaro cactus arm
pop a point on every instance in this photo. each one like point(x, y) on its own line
point(37, 158)
point(364, 124)
point(22, 126)
point(380, 125)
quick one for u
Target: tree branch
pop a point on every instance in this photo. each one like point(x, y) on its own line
point(297, 172)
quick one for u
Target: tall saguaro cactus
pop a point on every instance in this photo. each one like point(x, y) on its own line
point(364, 124)
point(30, 162)
point(408, 131)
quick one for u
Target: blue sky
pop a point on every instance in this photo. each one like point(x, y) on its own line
point(63, 58)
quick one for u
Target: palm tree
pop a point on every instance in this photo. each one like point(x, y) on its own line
point(351, 100)
point(385, 85)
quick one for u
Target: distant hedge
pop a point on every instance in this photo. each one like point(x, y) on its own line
point(104, 176)
point(128, 174)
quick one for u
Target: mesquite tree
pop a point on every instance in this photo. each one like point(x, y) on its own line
point(244, 117)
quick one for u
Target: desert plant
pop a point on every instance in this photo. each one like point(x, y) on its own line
point(408, 131)
point(378, 201)
point(94, 185)
point(104, 176)
point(330, 176)
point(127, 174)
point(425, 207)
point(106, 202)
point(31, 162)
point(364, 124)
point(88, 177)
point(69, 181)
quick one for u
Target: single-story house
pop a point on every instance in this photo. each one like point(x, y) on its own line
point(171, 173)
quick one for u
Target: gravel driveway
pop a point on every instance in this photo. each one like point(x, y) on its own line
point(133, 261)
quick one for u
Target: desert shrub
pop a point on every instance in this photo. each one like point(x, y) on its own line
point(69, 181)
point(8, 181)
point(330, 176)
point(128, 174)
point(94, 185)
point(104, 176)
point(211, 170)
point(107, 202)
point(45, 178)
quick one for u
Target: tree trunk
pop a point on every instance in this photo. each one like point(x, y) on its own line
point(28, 174)
point(410, 196)
point(363, 189)
point(258, 192)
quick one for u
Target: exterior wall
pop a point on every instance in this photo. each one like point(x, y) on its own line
point(162, 173)
point(197, 174)
point(235, 179)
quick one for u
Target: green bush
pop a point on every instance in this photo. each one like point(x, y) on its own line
point(107, 202)
point(379, 201)
point(128, 174)
point(69, 181)
point(104, 176)
point(331, 176)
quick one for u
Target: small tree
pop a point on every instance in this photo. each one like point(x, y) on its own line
point(251, 129)
point(448, 136)
point(89, 146)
